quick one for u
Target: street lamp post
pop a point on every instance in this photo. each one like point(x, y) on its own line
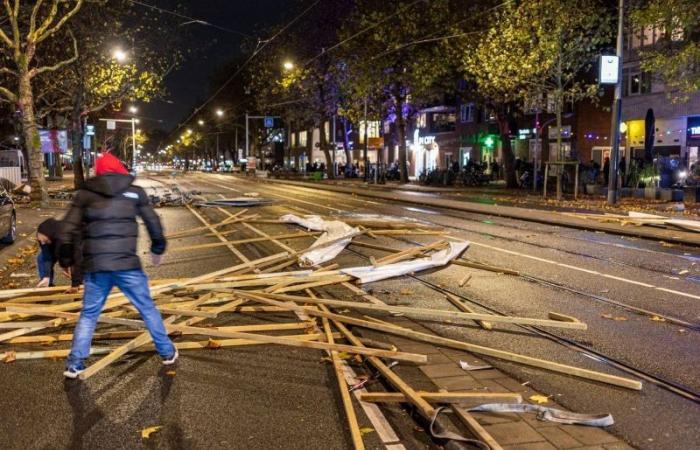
point(617, 113)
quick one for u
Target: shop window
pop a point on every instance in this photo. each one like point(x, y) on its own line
point(372, 129)
point(467, 112)
point(293, 139)
point(303, 138)
point(421, 122)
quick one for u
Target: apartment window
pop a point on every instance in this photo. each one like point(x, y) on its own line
point(466, 113)
point(422, 119)
point(303, 138)
point(293, 139)
point(443, 122)
point(639, 83)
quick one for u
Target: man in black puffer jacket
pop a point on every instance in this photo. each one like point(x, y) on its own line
point(104, 213)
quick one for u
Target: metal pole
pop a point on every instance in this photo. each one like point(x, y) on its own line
point(366, 144)
point(538, 150)
point(218, 158)
point(617, 110)
point(247, 143)
point(334, 146)
point(133, 139)
point(235, 157)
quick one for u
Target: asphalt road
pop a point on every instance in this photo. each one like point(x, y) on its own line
point(633, 272)
point(271, 397)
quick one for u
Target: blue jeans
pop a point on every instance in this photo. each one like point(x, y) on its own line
point(134, 284)
point(44, 265)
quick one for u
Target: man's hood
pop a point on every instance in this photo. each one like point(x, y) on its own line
point(109, 184)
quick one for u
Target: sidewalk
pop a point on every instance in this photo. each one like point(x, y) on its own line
point(511, 430)
point(525, 212)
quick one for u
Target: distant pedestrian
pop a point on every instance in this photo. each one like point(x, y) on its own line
point(48, 235)
point(106, 209)
point(606, 169)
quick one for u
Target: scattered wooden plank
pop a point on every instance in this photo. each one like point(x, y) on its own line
point(422, 313)
point(473, 348)
point(444, 397)
point(120, 351)
point(422, 406)
point(475, 427)
point(402, 356)
point(459, 304)
point(353, 425)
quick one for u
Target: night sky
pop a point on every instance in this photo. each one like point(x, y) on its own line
point(211, 47)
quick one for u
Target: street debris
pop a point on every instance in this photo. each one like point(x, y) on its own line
point(147, 432)
point(466, 366)
point(239, 202)
point(549, 414)
point(312, 299)
point(641, 219)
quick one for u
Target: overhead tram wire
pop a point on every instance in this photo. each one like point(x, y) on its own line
point(190, 19)
point(261, 45)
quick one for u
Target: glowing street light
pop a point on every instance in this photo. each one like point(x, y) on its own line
point(133, 109)
point(220, 112)
point(189, 131)
point(119, 55)
point(200, 122)
point(288, 65)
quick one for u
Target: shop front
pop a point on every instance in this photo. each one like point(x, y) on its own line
point(425, 152)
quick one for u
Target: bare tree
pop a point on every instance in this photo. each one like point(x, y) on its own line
point(30, 25)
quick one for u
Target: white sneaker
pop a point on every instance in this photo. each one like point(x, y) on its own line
point(171, 360)
point(73, 372)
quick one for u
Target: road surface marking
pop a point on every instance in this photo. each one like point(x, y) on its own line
point(588, 271)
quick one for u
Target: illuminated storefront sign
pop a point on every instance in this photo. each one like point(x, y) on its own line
point(426, 140)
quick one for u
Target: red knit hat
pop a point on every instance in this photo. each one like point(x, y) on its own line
point(108, 163)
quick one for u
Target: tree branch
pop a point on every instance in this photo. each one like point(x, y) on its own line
point(33, 35)
point(41, 36)
point(71, 60)
point(8, 94)
point(32, 18)
point(8, 70)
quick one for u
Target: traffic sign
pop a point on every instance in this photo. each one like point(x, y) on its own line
point(269, 122)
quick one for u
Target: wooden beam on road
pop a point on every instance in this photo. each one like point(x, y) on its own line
point(353, 425)
point(473, 348)
point(421, 313)
point(422, 406)
point(459, 304)
point(412, 357)
point(444, 397)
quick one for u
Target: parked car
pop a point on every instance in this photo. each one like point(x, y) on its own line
point(8, 218)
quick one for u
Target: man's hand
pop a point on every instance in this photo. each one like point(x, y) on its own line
point(43, 283)
point(156, 259)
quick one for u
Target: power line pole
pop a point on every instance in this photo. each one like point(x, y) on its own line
point(614, 171)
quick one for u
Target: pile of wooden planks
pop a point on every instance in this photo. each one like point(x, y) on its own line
point(312, 308)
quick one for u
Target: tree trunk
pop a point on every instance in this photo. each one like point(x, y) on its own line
point(37, 182)
point(346, 143)
point(77, 140)
point(508, 156)
point(401, 127)
point(326, 151)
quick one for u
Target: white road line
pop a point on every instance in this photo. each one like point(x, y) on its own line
point(588, 271)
